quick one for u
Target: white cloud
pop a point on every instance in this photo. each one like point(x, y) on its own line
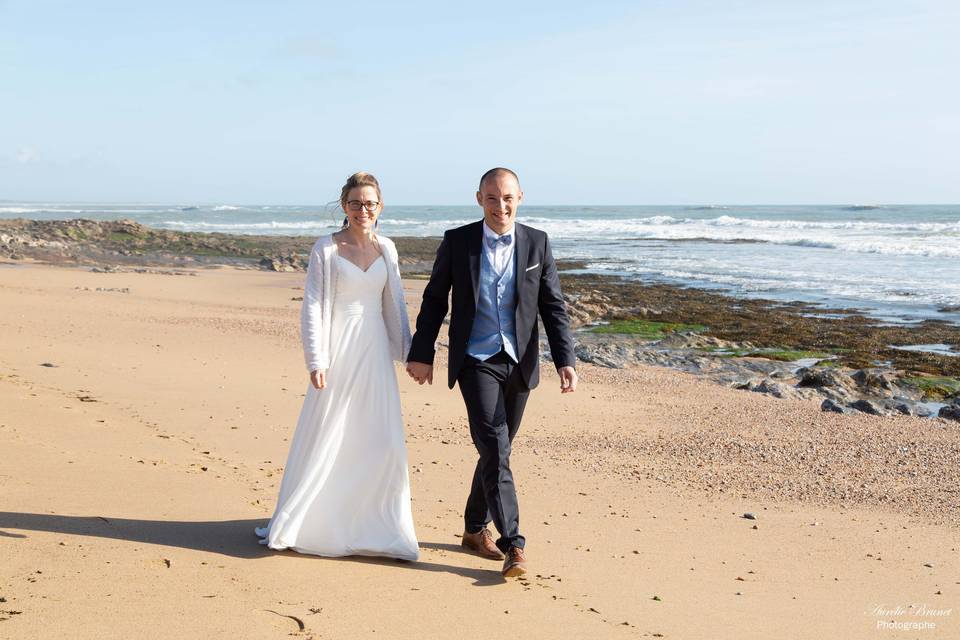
point(26, 155)
point(309, 47)
point(946, 124)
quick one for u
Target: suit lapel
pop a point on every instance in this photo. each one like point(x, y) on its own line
point(474, 249)
point(521, 249)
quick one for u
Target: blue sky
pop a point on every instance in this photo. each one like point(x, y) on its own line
point(592, 103)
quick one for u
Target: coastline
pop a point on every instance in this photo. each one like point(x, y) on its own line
point(773, 347)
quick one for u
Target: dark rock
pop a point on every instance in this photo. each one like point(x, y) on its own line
point(588, 306)
point(840, 395)
point(824, 378)
point(876, 382)
point(291, 262)
point(830, 405)
point(868, 406)
point(951, 412)
point(275, 264)
point(604, 355)
point(642, 312)
point(923, 411)
point(695, 341)
point(770, 387)
point(905, 408)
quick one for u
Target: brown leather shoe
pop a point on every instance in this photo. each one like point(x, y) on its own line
point(516, 563)
point(481, 544)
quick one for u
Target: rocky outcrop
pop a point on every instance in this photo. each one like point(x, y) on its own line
point(874, 391)
point(854, 342)
point(771, 387)
point(701, 343)
point(291, 262)
point(125, 242)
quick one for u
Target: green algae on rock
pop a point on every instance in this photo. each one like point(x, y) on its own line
point(783, 355)
point(648, 329)
point(935, 387)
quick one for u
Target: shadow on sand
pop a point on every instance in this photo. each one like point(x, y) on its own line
point(233, 538)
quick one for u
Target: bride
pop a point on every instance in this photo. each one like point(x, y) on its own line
point(345, 489)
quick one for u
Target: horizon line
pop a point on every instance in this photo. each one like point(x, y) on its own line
point(387, 205)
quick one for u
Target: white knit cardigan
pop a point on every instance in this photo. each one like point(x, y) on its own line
point(318, 303)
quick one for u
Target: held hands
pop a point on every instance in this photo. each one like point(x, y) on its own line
point(318, 379)
point(420, 371)
point(568, 379)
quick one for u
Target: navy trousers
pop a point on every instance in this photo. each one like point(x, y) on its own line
point(495, 395)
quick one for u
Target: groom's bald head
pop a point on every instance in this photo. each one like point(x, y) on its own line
point(497, 172)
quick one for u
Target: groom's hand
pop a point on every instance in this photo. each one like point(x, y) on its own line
point(420, 371)
point(568, 379)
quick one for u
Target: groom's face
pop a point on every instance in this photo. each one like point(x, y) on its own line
point(500, 197)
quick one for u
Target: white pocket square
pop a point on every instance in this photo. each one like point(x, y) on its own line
point(533, 267)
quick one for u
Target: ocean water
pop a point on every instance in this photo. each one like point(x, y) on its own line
point(900, 263)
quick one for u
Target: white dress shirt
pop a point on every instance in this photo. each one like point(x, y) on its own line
point(499, 256)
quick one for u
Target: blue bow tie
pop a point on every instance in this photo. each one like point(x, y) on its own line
point(505, 240)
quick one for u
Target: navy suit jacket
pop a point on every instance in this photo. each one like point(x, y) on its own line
point(457, 269)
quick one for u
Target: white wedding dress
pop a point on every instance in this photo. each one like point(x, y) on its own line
point(345, 489)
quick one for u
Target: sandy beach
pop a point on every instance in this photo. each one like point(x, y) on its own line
point(144, 424)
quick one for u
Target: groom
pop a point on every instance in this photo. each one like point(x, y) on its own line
point(502, 275)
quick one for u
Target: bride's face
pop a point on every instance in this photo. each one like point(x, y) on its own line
point(363, 207)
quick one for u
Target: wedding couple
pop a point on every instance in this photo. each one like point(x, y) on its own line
point(345, 489)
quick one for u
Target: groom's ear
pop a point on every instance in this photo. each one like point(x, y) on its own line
point(479, 198)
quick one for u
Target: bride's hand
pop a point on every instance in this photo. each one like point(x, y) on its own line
point(318, 379)
point(420, 371)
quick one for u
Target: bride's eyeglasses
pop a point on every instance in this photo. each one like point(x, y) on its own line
point(356, 205)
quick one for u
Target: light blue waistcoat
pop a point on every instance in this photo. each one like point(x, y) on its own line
point(494, 325)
